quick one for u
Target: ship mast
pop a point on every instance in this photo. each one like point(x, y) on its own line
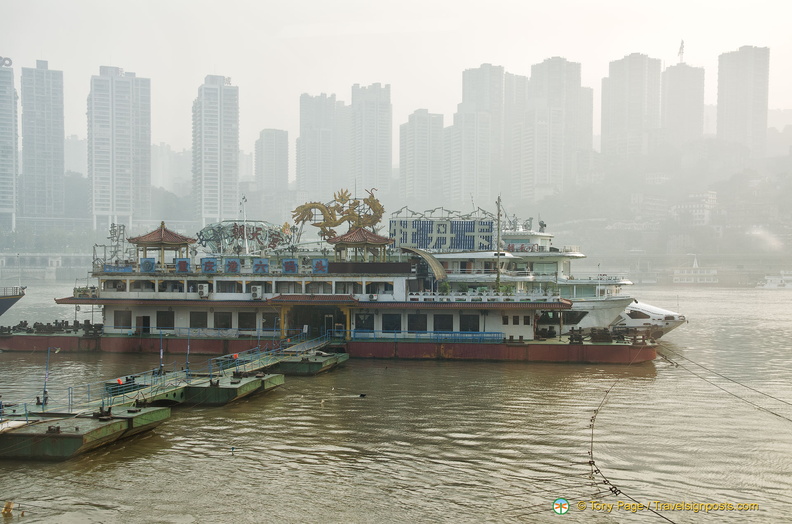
point(497, 248)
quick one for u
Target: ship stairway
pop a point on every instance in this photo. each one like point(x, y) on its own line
point(308, 346)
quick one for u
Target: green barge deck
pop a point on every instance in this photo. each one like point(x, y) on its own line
point(61, 436)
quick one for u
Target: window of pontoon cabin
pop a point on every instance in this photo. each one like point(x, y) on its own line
point(122, 319)
point(266, 286)
point(416, 322)
point(270, 321)
point(171, 286)
point(637, 315)
point(246, 320)
point(199, 319)
point(344, 288)
point(229, 287)
point(468, 323)
point(443, 322)
point(114, 285)
point(222, 320)
point(391, 322)
point(193, 287)
point(382, 288)
point(318, 288)
point(286, 287)
point(364, 321)
point(545, 268)
point(166, 320)
point(141, 285)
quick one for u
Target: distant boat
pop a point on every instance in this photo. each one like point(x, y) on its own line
point(695, 275)
point(781, 281)
point(9, 296)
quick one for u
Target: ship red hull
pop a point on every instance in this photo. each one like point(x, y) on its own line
point(32, 343)
point(529, 352)
point(170, 345)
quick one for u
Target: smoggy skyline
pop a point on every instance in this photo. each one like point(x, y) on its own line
point(275, 51)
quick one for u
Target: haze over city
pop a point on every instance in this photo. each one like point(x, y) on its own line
point(395, 261)
point(661, 129)
point(275, 51)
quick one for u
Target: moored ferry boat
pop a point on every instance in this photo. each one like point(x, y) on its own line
point(255, 283)
point(10, 296)
point(528, 262)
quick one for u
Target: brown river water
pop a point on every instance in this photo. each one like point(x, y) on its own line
point(449, 441)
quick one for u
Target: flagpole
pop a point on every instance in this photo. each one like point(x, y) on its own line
point(45, 395)
point(188, 356)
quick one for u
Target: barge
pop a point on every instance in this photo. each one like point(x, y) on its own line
point(256, 283)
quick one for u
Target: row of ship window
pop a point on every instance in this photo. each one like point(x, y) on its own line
point(246, 320)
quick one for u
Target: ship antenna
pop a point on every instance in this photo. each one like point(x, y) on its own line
point(497, 247)
point(242, 203)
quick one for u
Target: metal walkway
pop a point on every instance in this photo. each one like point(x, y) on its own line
point(164, 385)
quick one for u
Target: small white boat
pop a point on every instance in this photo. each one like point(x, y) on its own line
point(652, 320)
point(781, 281)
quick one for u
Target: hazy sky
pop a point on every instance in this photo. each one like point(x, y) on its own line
point(275, 51)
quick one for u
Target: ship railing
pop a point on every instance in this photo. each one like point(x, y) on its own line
point(254, 359)
point(295, 337)
point(510, 272)
point(477, 296)
point(472, 271)
point(85, 398)
point(471, 337)
point(599, 277)
point(144, 386)
point(308, 345)
point(494, 271)
point(264, 355)
point(195, 332)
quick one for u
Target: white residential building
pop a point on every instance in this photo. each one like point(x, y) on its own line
point(421, 156)
point(272, 161)
point(743, 85)
point(682, 106)
point(119, 147)
point(41, 182)
point(371, 138)
point(559, 124)
point(9, 157)
point(323, 156)
point(216, 150)
point(630, 109)
point(467, 171)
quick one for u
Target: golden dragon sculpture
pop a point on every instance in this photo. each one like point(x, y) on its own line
point(344, 208)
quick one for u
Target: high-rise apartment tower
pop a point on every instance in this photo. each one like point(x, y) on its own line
point(216, 150)
point(119, 147)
